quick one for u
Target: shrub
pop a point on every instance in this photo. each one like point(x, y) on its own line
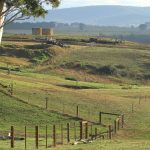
point(147, 76)
point(70, 78)
point(107, 70)
point(11, 69)
point(120, 66)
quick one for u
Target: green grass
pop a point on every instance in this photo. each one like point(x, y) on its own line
point(34, 84)
point(20, 114)
point(131, 63)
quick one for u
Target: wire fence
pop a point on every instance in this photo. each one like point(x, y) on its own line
point(60, 134)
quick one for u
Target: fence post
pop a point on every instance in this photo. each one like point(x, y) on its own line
point(46, 138)
point(81, 130)
point(75, 134)
point(37, 137)
point(25, 135)
point(54, 135)
point(110, 136)
point(118, 124)
point(122, 119)
point(91, 132)
point(46, 104)
point(100, 117)
point(95, 133)
point(115, 126)
point(62, 135)
point(68, 132)
point(86, 130)
point(77, 111)
point(12, 137)
point(132, 108)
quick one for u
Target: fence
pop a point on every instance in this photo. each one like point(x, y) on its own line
point(59, 134)
point(87, 130)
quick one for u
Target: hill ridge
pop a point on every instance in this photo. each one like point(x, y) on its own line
point(105, 15)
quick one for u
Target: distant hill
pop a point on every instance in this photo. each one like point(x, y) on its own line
point(99, 15)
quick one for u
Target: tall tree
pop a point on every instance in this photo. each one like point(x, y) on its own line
point(11, 10)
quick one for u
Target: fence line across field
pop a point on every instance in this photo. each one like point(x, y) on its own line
point(82, 131)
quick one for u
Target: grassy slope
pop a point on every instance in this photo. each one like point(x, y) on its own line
point(134, 62)
point(110, 97)
point(19, 114)
point(117, 100)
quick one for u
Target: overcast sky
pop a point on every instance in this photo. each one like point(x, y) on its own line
point(76, 3)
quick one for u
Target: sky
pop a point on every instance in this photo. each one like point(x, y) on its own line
point(77, 3)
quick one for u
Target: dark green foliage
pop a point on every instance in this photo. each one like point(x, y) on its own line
point(107, 70)
point(11, 69)
point(147, 76)
point(35, 53)
point(79, 87)
point(24, 9)
point(31, 8)
point(71, 78)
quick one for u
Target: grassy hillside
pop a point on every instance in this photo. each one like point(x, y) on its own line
point(111, 62)
point(74, 76)
point(17, 113)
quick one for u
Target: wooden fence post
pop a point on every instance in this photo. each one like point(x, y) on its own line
point(86, 130)
point(132, 108)
point(118, 124)
point(75, 132)
point(95, 133)
point(81, 131)
point(68, 132)
point(91, 132)
point(62, 135)
point(115, 126)
point(100, 117)
point(110, 135)
point(77, 111)
point(122, 119)
point(36, 137)
point(25, 137)
point(46, 104)
point(12, 137)
point(54, 135)
point(46, 137)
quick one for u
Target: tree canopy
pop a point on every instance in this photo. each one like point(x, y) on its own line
point(24, 9)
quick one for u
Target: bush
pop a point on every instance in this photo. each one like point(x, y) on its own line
point(147, 76)
point(11, 69)
point(107, 70)
point(120, 66)
point(70, 78)
point(123, 73)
